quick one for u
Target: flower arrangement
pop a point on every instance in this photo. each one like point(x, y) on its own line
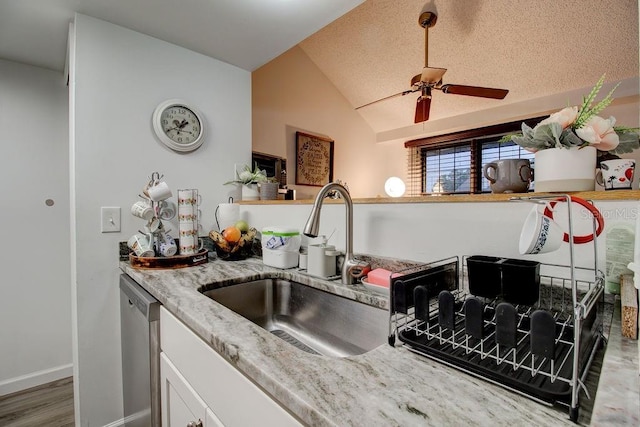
point(248, 176)
point(580, 127)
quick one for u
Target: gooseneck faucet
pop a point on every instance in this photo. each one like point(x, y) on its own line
point(351, 267)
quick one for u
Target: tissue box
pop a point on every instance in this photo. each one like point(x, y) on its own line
point(280, 259)
point(280, 247)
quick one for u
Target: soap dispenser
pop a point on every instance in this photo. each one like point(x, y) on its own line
point(321, 259)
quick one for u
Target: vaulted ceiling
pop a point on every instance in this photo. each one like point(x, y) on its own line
point(533, 48)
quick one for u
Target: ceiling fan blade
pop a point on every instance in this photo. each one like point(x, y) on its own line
point(482, 92)
point(422, 109)
point(403, 93)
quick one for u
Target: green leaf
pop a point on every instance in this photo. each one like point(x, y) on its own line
point(629, 141)
point(525, 142)
point(584, 113)
point(570, 139)
point(548, 134)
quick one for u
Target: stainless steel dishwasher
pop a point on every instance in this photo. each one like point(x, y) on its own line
point(140, 332)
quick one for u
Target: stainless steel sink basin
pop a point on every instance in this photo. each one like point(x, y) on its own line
point(312, 320)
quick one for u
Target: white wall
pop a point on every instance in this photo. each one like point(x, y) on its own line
point(35, 291)
point(432, 231)
point(118, 77)
point(291, 94)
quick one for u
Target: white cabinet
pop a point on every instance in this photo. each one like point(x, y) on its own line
point(181, 405)
point(203, 385)
point(212, 420)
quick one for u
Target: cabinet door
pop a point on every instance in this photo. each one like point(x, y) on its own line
point(224, 389)
point(212, 420)
point(181, 405)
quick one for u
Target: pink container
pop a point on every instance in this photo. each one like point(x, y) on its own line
point(379, 276)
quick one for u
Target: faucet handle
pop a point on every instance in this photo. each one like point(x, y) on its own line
point(357, 268)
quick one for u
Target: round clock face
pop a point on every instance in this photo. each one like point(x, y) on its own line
point(178, 125)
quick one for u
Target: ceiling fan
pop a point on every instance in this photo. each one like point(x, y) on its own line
point(431, 79)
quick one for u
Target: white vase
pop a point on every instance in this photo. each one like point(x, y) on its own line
point(565, 169)
point(250, 192)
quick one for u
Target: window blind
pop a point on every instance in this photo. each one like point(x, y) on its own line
point(452, 163)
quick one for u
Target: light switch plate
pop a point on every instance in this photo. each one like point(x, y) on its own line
point(109, 219)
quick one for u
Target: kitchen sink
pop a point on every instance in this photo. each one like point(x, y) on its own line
point(312, 320)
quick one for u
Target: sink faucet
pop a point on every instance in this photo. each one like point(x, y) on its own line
point(351, 267)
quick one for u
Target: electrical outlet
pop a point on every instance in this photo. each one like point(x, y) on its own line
point(110, 219)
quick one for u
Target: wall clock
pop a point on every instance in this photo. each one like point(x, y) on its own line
point(178, 125)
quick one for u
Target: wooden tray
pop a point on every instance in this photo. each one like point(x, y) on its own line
point(169, 262)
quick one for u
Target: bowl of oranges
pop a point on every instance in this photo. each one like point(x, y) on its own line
point(234, 242)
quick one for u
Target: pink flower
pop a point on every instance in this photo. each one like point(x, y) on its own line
point(599, 132)
point(564, 117)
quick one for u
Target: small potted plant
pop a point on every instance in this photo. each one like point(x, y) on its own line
point(571, 142)
point(249, 180)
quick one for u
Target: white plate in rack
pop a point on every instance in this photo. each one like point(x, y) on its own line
point(383, 290)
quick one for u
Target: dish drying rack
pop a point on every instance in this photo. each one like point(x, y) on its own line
point(540, 344)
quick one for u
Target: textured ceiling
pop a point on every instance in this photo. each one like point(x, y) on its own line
point(532, 48)
point(245, 33)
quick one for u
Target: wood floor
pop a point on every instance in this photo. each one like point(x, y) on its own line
point(48, 405)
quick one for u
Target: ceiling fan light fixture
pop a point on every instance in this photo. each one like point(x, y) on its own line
point(432, 75)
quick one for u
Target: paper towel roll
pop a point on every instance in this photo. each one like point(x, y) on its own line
point(227, 214)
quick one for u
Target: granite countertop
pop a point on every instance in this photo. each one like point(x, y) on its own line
point(388, 386)
point(618, 398)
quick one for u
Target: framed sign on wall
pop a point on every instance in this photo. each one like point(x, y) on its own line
point(314, 160)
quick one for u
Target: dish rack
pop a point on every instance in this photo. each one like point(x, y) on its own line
point(530, 327)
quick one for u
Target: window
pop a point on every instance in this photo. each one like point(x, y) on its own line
point(447, 170)
point(452, 163)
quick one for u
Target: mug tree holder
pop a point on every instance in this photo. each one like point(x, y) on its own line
point(164, 262)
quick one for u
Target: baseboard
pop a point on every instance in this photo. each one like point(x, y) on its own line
point(34, 379)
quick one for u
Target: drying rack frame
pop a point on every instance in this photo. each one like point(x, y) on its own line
point(578, 300)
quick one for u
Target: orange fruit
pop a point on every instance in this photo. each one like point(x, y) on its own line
point(231, 234)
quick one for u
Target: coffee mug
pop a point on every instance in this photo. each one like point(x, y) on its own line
point(166, 245)
point(159, 191)
point(509, 175)
point(140, 245)
point(167, 210)
point(540, 234)
point(188, 197)
point(616, 174)
point(190, 244)
point(142, 209)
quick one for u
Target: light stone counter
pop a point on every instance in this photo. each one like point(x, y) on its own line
point(618, 398)
point(385, 387)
